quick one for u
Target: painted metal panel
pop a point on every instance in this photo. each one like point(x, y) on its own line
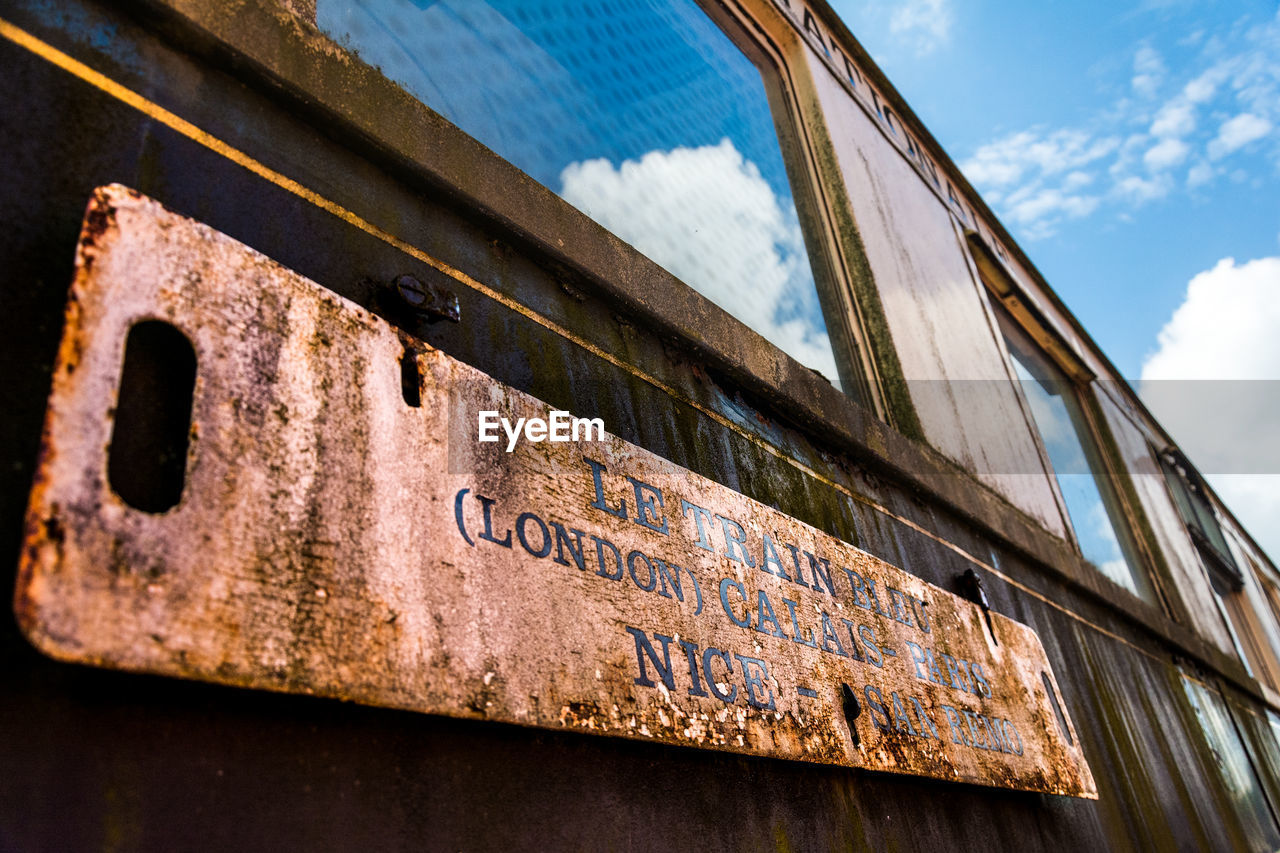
point(958, 378)
point(339, 531)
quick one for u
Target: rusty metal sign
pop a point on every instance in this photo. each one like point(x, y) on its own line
point(248, 480)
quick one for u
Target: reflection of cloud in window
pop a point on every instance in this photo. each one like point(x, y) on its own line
point(1105, 543)
point(708, 217)
point(1094, 529)
point(1052, 420)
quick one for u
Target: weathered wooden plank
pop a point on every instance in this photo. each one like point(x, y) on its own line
point(331, 538)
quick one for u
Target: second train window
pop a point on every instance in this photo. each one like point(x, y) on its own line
point(1101, 530)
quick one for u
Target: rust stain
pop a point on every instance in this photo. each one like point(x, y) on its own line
point(333, 539)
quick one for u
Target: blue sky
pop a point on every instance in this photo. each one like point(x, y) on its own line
point(1133, 150)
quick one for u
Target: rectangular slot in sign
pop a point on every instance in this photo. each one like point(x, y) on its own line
point(327, 535)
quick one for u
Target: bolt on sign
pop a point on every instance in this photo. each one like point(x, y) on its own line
point(246, 479)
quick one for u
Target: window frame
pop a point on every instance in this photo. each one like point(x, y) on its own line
point(1257, 617)
point(1228, 579)
point(769, 42)
point(1189, 493)
point(1226, 746)
point(1086, 428)
point(761, 45)
point(1012, 312)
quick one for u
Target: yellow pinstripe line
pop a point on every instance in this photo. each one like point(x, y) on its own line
point(153, 110)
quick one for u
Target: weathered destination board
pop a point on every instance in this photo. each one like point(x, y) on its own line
point(329, 534)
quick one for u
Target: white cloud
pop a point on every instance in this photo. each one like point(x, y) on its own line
point(1137, 190)
point(1254, 499)
point(1148, 71)
point(709, 217)
point(1237, 132)
point(1106, 547)
point(1165, 154)
point(1042, 204)
point(1045, 173)
point(1132, 145)
point(1006, 160)
point(999, 163)
point(1225, 330)
point(1176, 118)
point(1225, 327)
point(927, 23)
point(1192, 38)
point(1199, 175)
point(1203, 87)
point(1076, 180)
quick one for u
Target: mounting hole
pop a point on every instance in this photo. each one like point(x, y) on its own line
point(147, 457)
point(410, 379)
point(1057, 709)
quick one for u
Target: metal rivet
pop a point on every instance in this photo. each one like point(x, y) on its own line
point(971, 588)
point(426, 299)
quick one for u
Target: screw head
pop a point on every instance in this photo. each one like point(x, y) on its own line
point(412, 292)
point(427, 300)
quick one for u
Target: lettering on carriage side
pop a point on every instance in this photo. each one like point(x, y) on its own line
point(776, 599)
point(743, 671)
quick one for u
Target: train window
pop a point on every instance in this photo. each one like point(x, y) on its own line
point(1231, 756)
point(643, 114)
point(1190, 496)
point(1270, 591)
point(1101, 530)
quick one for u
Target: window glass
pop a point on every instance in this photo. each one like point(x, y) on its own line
point(1233, 763)
point(641, 113)
point(1193, 504)
point(1076, 464)
point(1274, 719)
